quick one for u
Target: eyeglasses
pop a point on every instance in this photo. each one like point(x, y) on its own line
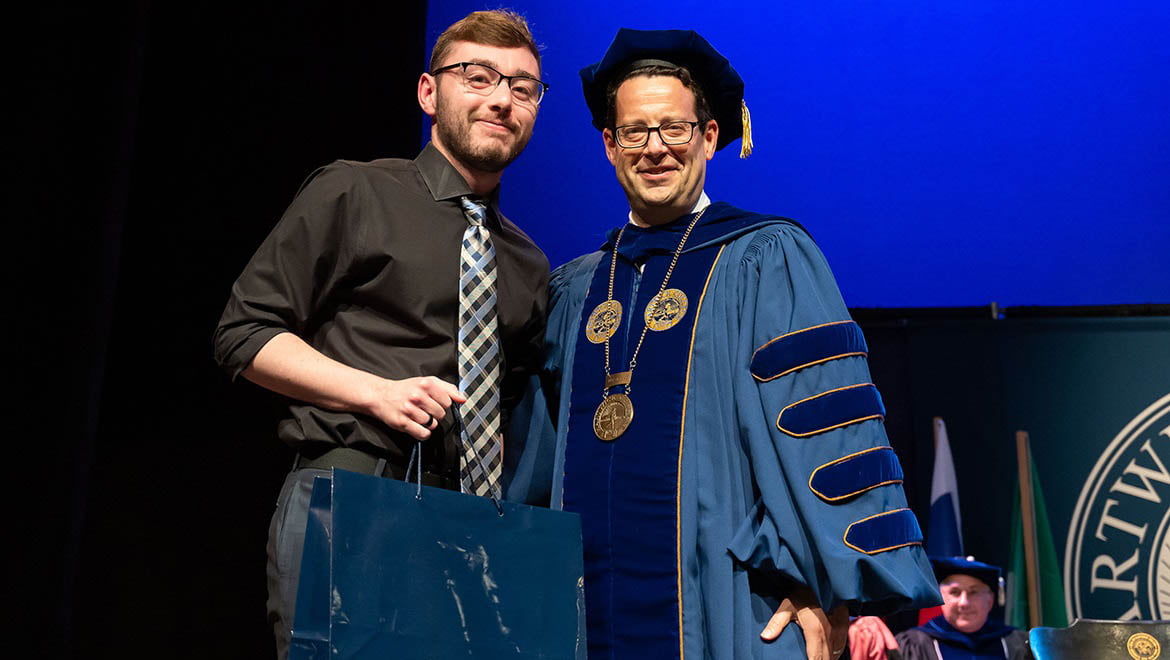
point(482, 79)
point(633, 136)
point(955, 593)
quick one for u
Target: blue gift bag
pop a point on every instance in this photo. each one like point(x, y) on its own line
point(397, 570)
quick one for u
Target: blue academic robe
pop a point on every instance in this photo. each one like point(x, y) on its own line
point(756, 460)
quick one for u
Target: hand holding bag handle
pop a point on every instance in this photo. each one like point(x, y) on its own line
point(415, 463)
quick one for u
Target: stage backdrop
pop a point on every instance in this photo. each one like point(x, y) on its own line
point(1094, 395)
point(942, 154)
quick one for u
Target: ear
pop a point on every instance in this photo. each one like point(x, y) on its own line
point(427, 89)
point(710, 138)
point(611, 147)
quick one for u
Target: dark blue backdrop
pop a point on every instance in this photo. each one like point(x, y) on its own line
point(941, 153)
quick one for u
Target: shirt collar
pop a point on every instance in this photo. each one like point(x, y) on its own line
point(703, 202)
point(443, 180)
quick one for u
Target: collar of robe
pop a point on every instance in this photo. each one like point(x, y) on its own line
point(940, 629)
point(722, 223)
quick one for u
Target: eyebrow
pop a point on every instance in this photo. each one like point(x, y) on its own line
point(664, 121)
point(521, 72)
point(954, 585)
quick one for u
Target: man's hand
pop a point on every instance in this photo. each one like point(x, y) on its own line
point(824, 636)
point(869, 639)
point(414, 405)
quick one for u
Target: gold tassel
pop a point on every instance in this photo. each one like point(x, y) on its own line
point(745, 145)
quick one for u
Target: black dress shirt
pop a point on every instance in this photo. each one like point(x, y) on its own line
point(364, 266)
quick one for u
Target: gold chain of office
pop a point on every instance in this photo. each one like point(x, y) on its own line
point(664, 311)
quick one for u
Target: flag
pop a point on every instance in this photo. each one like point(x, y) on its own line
point(1050, 584)
point(944, 536)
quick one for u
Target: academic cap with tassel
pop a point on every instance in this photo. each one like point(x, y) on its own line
point(683, 48)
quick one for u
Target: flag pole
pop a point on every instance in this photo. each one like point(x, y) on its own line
point(1028, 518)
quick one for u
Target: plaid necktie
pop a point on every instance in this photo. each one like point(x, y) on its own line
point(479, 356)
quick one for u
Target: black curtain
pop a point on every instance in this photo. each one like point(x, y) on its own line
point(157, 145)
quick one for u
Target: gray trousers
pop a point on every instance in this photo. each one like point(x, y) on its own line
point(286, 538)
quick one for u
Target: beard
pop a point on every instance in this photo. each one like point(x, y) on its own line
point(489, 155)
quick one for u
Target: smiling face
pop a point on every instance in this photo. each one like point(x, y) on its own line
point(966, 602)
point(479, 133)
point(661, 181)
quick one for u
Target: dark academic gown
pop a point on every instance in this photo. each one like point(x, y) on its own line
point(938, 640)
point(756, 460)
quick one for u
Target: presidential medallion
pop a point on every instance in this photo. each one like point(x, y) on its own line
point(665, 310)
point(613, 417)
point(604, 321)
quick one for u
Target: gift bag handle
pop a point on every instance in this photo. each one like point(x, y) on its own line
point(415, 464)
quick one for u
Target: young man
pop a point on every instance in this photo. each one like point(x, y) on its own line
point(714, 422)
point(393, 289)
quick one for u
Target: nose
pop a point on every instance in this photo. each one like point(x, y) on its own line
point(654, 144)
point(501, 96)
point(963, 598)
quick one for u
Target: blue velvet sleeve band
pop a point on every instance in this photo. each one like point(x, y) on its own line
point(804, 348)
point(830, 410)
point(884, 531)
point(856, 473)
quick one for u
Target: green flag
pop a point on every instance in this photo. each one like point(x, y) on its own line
point(1051, 586)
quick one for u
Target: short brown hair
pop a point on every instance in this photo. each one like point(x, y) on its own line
point(503, 28)
point(702, 108)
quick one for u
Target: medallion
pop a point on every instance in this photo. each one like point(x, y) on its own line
point(1143, 646)
point(604, 321)
point(613, 417)
point(665, 310)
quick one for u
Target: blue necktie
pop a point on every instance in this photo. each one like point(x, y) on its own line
point(479, 356)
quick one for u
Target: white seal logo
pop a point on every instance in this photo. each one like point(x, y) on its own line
point(1117, 559)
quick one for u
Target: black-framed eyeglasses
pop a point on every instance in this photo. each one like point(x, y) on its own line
point(483, 79)
point(633, 136)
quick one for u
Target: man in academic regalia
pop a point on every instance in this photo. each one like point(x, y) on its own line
point(712, 416)
point(963, 631)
